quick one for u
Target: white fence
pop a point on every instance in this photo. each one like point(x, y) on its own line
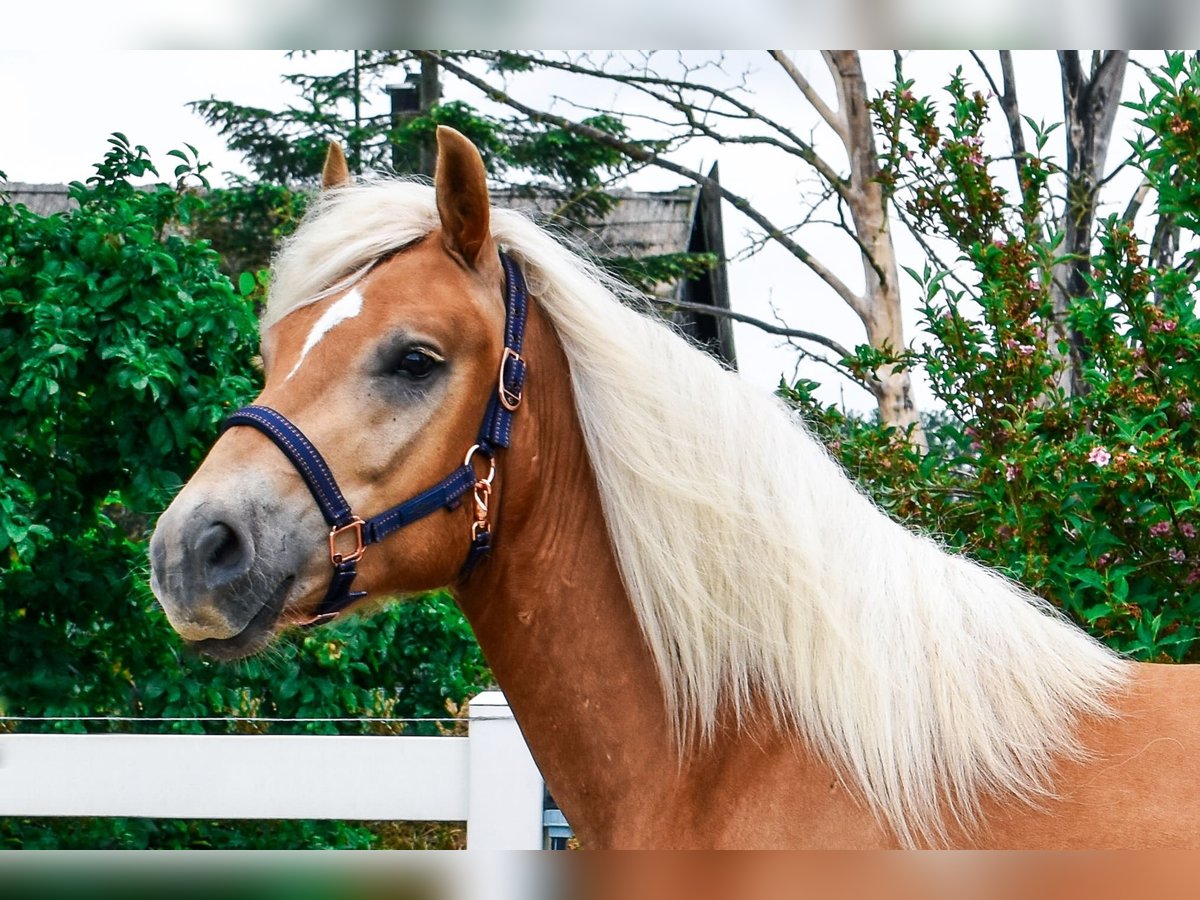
point(487, 779)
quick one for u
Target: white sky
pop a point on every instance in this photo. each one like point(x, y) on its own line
point(56, 110)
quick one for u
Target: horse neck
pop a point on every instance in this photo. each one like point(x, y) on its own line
point(553, 619)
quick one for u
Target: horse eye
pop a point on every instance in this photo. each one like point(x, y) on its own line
point(416, 364)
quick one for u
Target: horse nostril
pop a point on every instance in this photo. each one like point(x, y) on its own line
point(222, 554)
point(225, 553)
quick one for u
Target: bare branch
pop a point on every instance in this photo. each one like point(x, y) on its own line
point(800, 149)
point(1008, 104)
point(932, 254)
point(1012, 109)
point(653, 87)
point(1129, 160)
point(867, 255)
point(986, 74)
point(640, 153)
point(833, 118)
point(756, 242)
point(870, 387)
point(1090, 107)
point(760, 324)
point(1136, 201)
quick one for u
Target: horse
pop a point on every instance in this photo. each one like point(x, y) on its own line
point(709, 636)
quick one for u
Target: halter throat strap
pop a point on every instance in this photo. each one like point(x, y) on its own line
point(350, 535)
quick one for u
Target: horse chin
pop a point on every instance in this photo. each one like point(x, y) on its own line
point(257, 634)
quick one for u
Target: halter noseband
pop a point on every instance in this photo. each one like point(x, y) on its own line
point(495, 432)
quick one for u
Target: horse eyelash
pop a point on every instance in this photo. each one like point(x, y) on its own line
point(428, 351)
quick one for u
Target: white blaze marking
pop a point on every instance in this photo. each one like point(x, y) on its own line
point(346, 308)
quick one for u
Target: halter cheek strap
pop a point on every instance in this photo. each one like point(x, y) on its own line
point(350, 535)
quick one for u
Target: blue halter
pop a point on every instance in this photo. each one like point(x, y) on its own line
point(495, 432)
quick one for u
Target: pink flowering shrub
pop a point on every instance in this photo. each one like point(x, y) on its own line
point(1091, 500)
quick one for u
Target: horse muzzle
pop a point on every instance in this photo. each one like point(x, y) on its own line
point(222, 579)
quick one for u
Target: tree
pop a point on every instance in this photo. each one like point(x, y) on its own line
point(1092, 500)
point(287, 147)
point(1090, 105)
point(690, 104)
point(690, 97)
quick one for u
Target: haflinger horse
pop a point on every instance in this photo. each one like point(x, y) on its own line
point(709, 636)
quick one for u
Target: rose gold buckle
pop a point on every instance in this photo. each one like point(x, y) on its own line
point(338, 558)
point(508, 399)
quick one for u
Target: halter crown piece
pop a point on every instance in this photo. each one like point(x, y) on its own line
point(494, 433)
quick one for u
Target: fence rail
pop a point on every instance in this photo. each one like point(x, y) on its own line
point(487, 779)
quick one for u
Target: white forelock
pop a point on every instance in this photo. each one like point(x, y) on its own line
point(758, 571)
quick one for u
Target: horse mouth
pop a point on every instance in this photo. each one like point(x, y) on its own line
point(258, 631)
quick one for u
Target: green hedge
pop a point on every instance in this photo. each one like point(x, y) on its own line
point(122, 346)
point(1092, 500)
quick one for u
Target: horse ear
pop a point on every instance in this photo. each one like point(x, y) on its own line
point(336, 173)
point(462, 196)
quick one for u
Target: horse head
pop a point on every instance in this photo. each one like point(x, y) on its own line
point(388, 371)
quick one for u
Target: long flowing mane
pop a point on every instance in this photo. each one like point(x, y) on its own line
point(760, 575)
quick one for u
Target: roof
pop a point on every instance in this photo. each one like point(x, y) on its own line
point(643, 224)
point(43, 199)
point(640, 224)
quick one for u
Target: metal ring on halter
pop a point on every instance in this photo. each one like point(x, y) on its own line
point(476, 448)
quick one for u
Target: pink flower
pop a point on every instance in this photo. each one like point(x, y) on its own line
point(1177, 555)
point(975, 158)
point(1192, 577)
point(1099, 457)
point(1011, 472)
point(1188, 530)
point(1025, 349)
point(1168, 325)
point(1158, 529)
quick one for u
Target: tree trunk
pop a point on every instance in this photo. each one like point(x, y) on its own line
point(880, 310)
point(1090, 108)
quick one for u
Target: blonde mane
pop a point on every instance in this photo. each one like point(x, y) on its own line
point(758, 571)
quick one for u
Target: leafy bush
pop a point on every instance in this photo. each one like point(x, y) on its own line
point(122, 346)
point(1092, 500)
point(244, 223)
